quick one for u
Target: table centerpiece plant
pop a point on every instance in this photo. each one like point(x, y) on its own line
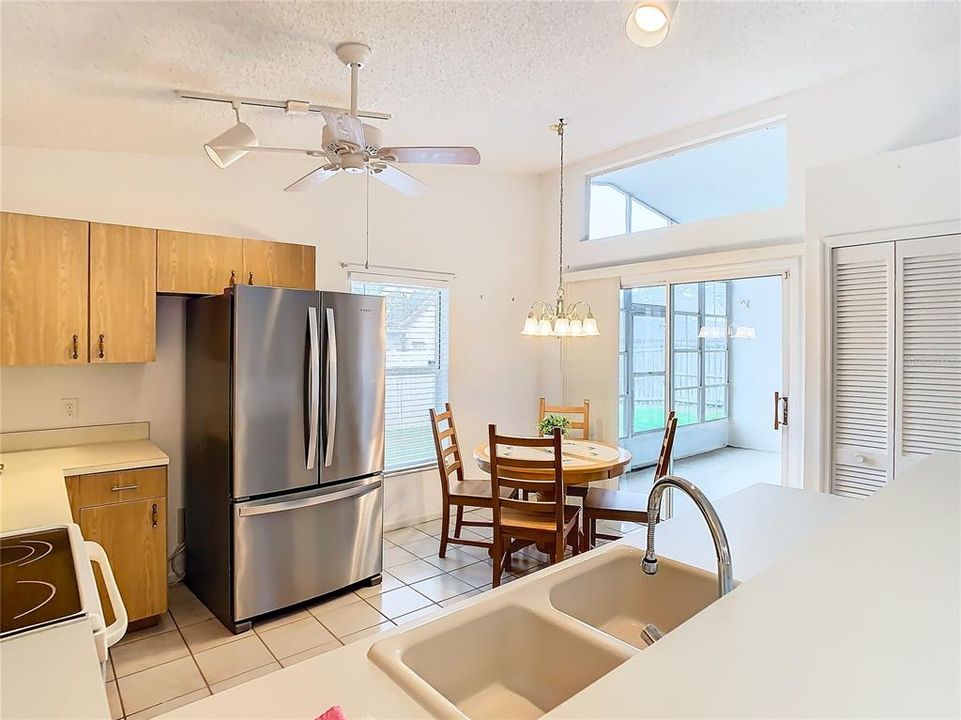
point(547, 425)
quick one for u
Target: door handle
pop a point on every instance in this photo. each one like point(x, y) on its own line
point(780, 410)
point(154, 515)
point(250, 279)
point(100, 354)
point(313, 388)
point(307, 502)
point(118, 488)
point(331, 419)
point(75, 349)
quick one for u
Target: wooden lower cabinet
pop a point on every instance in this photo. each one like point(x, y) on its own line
point(133, 533)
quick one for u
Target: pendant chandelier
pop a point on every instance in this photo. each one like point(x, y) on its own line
point(560, 319)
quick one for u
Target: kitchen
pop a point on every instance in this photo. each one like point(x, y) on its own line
point(487, 234)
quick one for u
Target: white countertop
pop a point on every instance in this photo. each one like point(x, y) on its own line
point(761, 522)
point(33, 494)
point(32, 488)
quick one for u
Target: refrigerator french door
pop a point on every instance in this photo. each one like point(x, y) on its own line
point(285, 426)
point(354, 341)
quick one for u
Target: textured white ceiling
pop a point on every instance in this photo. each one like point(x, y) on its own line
point(493, 74)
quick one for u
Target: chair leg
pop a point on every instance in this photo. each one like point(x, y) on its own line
point(576, 540)
point(498, 552)
point(460, 521)
point(444, 531)
point(560, 546)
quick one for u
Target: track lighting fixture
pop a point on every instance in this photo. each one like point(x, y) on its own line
point(226, 148)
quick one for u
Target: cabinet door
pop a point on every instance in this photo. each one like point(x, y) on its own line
point(862, 288)
point(43, 285)
point(134, 536)
point(278, 264)
point(928, 339)
point(123, 294)
point(193, 264)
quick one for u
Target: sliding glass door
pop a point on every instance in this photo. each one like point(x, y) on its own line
point(711, 352)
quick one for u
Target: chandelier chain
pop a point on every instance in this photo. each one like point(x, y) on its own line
point(559, 128)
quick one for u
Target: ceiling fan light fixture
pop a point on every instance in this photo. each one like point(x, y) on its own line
point(649, 23)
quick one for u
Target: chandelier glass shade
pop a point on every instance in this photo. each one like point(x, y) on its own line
point(560, 319)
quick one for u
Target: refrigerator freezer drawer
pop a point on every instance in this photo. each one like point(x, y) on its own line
point(297, 547)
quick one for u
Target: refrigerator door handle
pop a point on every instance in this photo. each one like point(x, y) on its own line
point(313, 388)
point(307, 502)
point(331, 419)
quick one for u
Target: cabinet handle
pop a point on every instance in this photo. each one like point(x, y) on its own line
point(75, 350)
point(250, 279)
point(118, 488)
point(101, 346)
point(154, 515)
point(233, 278)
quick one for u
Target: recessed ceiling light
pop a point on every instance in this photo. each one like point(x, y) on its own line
point(648, 23)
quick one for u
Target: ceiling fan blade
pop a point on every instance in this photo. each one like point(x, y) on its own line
point(399, 180)
point(345, 128)
point(312, 179)
point(431, 155)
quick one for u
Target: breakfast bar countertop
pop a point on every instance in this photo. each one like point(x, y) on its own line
point(762, 523)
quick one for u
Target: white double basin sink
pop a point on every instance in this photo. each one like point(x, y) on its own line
point(524, 651)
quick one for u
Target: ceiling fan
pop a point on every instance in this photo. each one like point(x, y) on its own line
point(347, 144)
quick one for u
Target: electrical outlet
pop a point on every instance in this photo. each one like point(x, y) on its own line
point(71, 408)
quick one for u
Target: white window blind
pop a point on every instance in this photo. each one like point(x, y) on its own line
point(417, 363)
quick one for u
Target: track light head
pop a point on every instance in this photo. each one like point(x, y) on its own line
point(224, 150)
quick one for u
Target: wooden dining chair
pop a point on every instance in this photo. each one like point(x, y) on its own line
point(461, 493)
point(580, 416)
point(545, 518)
point(624, 505)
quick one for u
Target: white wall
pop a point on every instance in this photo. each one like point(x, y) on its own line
point(755, 364)
point(908, 103)
point(482, 226)
point(907, 193)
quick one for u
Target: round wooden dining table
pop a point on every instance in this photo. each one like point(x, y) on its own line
point(584, 461)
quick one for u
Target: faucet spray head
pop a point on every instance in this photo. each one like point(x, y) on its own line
point(649, 565)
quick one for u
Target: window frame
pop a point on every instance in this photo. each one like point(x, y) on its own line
point(629, 201)
point(437, 367)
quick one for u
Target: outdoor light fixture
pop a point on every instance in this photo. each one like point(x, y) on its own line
point(227, 148)
point(649, 23)
point(560, 320)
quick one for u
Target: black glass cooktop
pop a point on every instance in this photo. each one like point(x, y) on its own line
point(38, 581)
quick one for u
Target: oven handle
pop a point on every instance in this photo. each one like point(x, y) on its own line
point(307, 502)
point(118, 628)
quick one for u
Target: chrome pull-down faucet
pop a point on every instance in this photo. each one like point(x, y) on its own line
point(725, 577)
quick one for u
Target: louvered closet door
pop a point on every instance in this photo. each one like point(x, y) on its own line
point(863, 365)
point(928, 369)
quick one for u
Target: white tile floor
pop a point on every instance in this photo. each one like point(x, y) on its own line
point(190, 655)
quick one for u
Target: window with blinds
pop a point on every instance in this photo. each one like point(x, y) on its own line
point(417, 363)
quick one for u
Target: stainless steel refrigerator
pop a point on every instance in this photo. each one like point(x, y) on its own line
point(284, 447)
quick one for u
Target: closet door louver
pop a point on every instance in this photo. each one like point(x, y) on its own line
point(928, 369)
point(863, 367)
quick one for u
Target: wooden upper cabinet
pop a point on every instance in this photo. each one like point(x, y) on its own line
point(194, 264)
point(43, 290)
point(278, 264)
point(123, 294)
